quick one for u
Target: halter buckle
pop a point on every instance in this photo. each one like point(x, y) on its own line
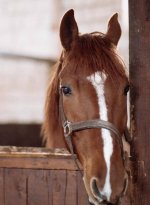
point(67, 128)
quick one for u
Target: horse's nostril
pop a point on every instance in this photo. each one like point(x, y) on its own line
point(96, 191)
point(94, 187)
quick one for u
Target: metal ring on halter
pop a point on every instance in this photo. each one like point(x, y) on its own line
point(67, 128)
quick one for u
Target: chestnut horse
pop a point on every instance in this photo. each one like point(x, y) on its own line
point(87, 105)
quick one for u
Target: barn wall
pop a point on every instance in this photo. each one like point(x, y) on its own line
point(27, 135)
point(41, 187)
point(23, 84)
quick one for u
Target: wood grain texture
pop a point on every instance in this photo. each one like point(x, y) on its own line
point(71, 188)
point(38, 163)
point(47, 178)
point(38, 187)
point(36, 158)
point(1, 186)
point(13, 151)
point(139, 48)
point(58, 187)
point(15, 187)
point(41, 187)
point(82, 195)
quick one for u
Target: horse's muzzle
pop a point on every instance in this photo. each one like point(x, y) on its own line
point(102, 199)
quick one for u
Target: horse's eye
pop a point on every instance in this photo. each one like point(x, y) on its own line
point(127, 88)
point(66, 90)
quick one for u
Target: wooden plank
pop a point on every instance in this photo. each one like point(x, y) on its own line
point(139, 48)
point(38, 163)
point(1, 186)
point(58, 187)
point(38, 187)
point(36, 158)
point(15, 187)
point(71, 188)
point(82, 195)
point(50, 188)
point(13, 151)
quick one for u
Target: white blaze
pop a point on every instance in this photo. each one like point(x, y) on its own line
point(98, 81)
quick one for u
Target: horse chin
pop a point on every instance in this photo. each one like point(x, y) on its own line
point(93, 202)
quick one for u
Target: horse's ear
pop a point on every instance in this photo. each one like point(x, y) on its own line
point(68, 29)
point(114, 29)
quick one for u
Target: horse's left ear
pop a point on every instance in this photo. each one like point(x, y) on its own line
point(114, 29)
point(68, 29)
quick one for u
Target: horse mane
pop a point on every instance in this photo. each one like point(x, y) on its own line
point(95, 52)
point(89, 52)
point(51, 121)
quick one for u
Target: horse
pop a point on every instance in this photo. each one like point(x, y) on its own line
point(86, 107)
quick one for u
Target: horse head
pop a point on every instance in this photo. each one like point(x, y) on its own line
point(90, 85)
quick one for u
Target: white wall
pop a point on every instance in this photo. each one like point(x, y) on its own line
point(22, 90)
point(29, 27)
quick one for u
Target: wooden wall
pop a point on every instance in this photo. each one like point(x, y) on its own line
point(139, 52)
point(38, 176)
point(23, 135)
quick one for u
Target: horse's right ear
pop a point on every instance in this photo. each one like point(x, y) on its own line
point(68, 29)
point(114, 29)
